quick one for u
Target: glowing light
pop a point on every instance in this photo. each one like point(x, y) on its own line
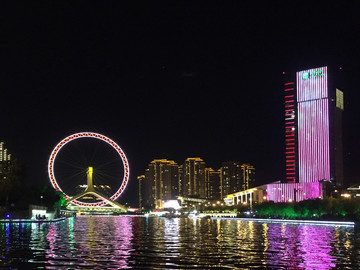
point(172, 204)
point(289, 131)
point(283, 192)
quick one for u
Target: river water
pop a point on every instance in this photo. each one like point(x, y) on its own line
point(106, 242)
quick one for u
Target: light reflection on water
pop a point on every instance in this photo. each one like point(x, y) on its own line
point(102, 242)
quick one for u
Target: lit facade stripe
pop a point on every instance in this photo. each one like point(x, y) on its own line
point(290, 148)
point(313, 125)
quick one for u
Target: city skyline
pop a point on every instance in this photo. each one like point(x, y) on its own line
point(165, 180)
point(169, 79)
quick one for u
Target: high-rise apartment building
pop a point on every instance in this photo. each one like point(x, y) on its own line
point(230, 178)
point(193, 178)
point(142, 196)
point(4, 155)
point(5, 164)
point(248, 176)
point(236, 177)
point(181, 191)
point(212, 184)
point(159, 183)
point(165, 180)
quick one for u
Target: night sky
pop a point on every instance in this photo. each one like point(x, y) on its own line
point(168, 79)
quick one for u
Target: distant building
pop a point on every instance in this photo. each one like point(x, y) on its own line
point(230, 178)
point(313, 134)
point(352, 192)
point(247, 197)
point(164, 180)
point(142, 192)
point(4, 155)
point(193, 178)
point(212, 184)
point(159, 183)
point(181, 181)
point(5, 159)
point(236, 177)
point(248, 176)
point(317, 127)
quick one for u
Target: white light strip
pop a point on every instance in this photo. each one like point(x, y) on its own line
point(296, 221)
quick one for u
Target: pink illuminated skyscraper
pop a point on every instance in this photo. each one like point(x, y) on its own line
point(313, 134)
point(313, 128)
point(319, 140)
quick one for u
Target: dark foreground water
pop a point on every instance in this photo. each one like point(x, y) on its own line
point(102, 242)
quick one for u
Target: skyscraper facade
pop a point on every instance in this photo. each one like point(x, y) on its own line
point(319, 108)
point(231, 175)
point(159, 183)
point(212, 184)
point(141, 191)
point(248, 176)
point(5, 159)
point(4, 155)
point(313, 134)
point(236, 177)
point(193, 178)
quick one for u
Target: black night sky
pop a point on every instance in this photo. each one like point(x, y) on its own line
point(168, 79)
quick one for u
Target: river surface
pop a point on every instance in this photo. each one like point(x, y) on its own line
point(105, 242)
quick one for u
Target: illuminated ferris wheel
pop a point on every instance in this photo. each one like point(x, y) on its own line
point(81, 157)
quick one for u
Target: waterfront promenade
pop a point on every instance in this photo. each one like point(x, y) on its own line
point(32, 220)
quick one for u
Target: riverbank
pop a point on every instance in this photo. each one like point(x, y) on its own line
point(31, 220)
point(294, 221)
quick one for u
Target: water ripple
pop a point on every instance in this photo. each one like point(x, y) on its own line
point(102, 242)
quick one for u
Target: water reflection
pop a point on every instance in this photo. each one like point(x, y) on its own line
point(102, 242)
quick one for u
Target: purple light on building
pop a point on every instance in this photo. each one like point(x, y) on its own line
point(313, 125)
point(285, 192)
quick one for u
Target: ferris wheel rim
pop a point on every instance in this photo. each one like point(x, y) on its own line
point(101, 137)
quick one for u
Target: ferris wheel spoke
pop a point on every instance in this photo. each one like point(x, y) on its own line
point(106, 179)
point(71, 164)
point(110, 162)
point(73, 175)
point(80, 152)
point(73, 180)
point(94, 153)
point(71, 154)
